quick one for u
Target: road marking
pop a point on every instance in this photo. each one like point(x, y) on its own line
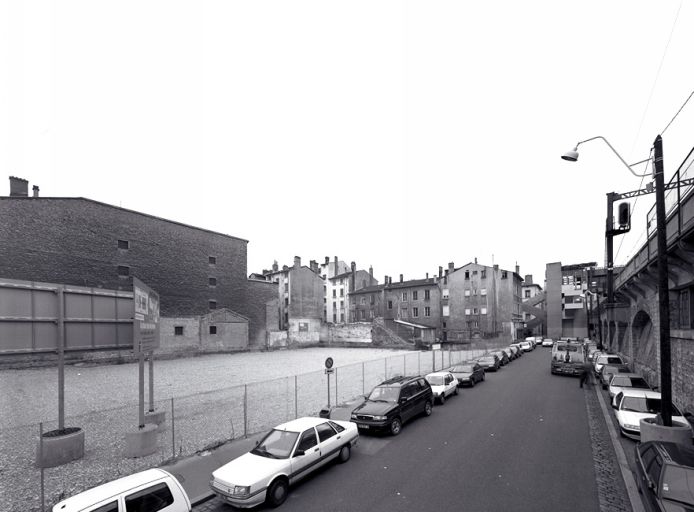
point(632, 490)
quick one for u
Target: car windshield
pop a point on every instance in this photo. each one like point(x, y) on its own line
point(277, 444)
point(644, 405)
point(462, 369)
point(486, 359)
point(630, 382)
point(435, 380)
point(566, 348)
point(678, 484)
point(384, 394)
point(614, 360)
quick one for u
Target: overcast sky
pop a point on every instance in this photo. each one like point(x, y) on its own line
point(402, 135)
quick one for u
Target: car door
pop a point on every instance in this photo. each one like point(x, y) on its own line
point(407, 401)
point(450, 384)
point(328, 441)
point(306, 455)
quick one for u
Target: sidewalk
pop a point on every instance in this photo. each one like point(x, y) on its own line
point(194, 472)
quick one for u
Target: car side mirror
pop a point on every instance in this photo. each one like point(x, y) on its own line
point(257, 442)
point(403, 399)
point(614, 406)
point(299, 453)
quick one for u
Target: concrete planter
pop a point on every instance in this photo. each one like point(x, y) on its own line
point(156, 418)
point(677, 433)
point(141, 442)
point(60, 447)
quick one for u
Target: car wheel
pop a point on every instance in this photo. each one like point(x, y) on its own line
point(456, 391)
point(442, 398)
point(277, 492)
point(395, 427)
point(345, 454)
point(472, 382)
point(427, 408)
point(484, 376)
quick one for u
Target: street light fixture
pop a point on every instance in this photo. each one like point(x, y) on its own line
point(663, 298)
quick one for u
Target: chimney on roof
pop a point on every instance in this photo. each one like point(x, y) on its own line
point(285, 268)
point(401, 278)
point(327, 260)
point(312, 265)
point(475, 260)
point(275, 266)
point(353, 277)
point(440, 271)
point(528, 279)
point(517, 269)
point(451, 266)
point(371, 271)
point(297, 261)
point(385, 279)
point(19, 187)
point(446, 271)
point(496, 266)
point(390, 279)
point(427, 275)
point(35, 190)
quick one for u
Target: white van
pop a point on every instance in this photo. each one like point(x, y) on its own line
point(148, 491)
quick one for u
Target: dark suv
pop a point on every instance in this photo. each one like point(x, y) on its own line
point(392, 403)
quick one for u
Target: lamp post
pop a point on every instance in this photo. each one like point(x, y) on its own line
point(663, 295)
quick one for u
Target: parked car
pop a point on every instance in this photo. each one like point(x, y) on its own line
point(503, 358)
point(443, 384)
point(509, 353)
point(621, 381)
point(547, 342)
point(604, 359)
point(468, 374)
point(664, 475)
point(607, 371)
point(526, 346)
point(490, 363)
point(516, 352)
point(632, 405)
point(392, 403)
point(286, 454)
point(592, 354)
point(518, 346)
point(140, 491)
point(531, 340)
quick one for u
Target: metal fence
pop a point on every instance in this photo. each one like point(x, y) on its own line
point(195, 423)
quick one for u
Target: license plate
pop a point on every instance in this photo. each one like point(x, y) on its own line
point(361, 425)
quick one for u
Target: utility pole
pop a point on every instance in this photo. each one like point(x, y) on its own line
point(663, 293)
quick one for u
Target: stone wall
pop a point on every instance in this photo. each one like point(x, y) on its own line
point(359, 332)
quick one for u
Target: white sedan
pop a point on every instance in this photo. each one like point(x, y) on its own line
point(547, 342)
point(442, 384)
point(633, 405)
point(286, 454)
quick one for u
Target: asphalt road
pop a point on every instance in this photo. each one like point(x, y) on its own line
point(518, 441)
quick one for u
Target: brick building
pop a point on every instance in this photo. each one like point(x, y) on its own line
point(79, 241)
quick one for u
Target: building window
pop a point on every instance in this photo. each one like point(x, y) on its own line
point(527, 294)
point(212, 260)
point(474, 292)
point(414, 295)
point(123, 271)
point(213, 304)
point(286, 318)
point(178, 330)
point(372, 300)
point(426, 295)
point(427, 311)
point(286, 301)
point(371, 315)
point(342, 304)
point(325, 301)
point(362, 314)
point(390, 304)
point(415, 312)
point(467, 293)
point(334, 293)
point(123, 244)
point(363, 301)
point(212, 281)
point(446, 311)
point(467, 311)
point(483, 274)
point(483, 311)
point(504, 274)
point(342, 292)
point(213, 329)
point(444, 293)
point(403, 312)
point(467, 274)
point(334, 318)
point(334, 305)
point(475, 311)
point(404, 296)
point(483, 291)
point(475, 324)
point(325, 289)
point(286, 286)
point(342, 317)
point(474, 272)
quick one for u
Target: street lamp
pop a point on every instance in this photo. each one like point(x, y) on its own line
point(663, 298)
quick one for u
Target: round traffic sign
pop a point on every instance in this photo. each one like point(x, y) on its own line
point(329, 362)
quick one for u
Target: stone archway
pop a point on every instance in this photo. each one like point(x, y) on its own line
point(644, 349)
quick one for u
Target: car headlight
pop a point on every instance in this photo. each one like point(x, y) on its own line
point(380, 418)
point(354, 416)
point(632, 427)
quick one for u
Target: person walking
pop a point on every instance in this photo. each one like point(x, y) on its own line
point(585, 374)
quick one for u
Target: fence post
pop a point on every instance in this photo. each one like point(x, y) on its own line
point(433, 360)
point(245, 410)
point(173, 429)
point(385, 369)
point(43, 494)
point(296, 397)
point(419, 363)
point(336, 402)
point(404, 365)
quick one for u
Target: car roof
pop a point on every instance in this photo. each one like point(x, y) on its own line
point(647, 393)
point(678, 453)
point(630, 375)
point(110, 489)
point(440, 373)
point(301, 424)
point(397, 381)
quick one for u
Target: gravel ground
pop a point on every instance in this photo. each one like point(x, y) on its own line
point(209, 397)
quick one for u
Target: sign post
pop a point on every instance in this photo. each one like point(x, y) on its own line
point(145, 338)
point(328, 370)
